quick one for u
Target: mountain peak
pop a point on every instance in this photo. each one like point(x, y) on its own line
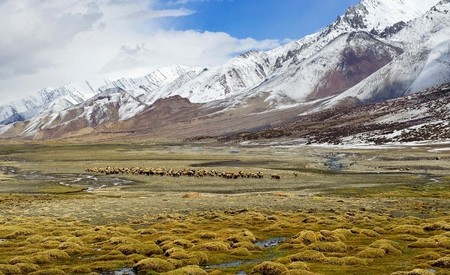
point(379, 14)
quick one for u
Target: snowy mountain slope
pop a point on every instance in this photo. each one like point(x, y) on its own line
point(425, 62)
point(111, 105)
point(379, 49)
point(49, 99)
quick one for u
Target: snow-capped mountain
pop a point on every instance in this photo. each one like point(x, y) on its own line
point(377, 50)
point(46, 100)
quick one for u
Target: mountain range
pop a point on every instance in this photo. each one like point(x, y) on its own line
point(378, 50)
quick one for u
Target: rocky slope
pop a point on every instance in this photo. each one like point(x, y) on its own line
point(423, 116)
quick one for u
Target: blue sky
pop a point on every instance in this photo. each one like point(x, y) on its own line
point(259, 19)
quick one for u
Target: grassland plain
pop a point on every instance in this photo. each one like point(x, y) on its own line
point(334, 210)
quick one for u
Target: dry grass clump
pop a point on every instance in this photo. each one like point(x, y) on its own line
point(128, 249)
point(247, 245)
point(284, 260)
point(20, 259)
point(94, 238)
point(244, 235)
point(406, 237)
point(8, 269)
point(328, 236)
point(443, 262)
point(342, 232)
point(389, 247)
point(35, 239)
point(81, 270)
point(136, 258)
point(26, 268)
point(298, 265)
point(424, 243)
point(71, 247)
point(176, 253)
point(56, 254)
point(52, 271)
point(20, 233)
point(345, 261)
point(188, 270)
point(150, 248)
point(7, 244)
point(147, 231)
point(165, 238)
point(408, 229)
point(439, 225)
point(123, 240)
point(217, 246)
point(108, 266)
point(112, 255)
point(372, 253)
point(414, 272)
point(269, 268)
point(240, 251)
point(299, 272)
point(183, 243)
point(155, 265)
point(207, 235)
point(305, 237)
point(308, 256)
point(200, 257)
point(431, 255)
point(369, 233)
point(329, 247)
point(49, 256)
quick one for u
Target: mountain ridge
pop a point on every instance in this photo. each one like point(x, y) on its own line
point(364, 56)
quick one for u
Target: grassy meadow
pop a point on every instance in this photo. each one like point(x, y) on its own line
point(329, 210)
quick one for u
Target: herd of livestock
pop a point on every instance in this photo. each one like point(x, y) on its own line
point(162, 171)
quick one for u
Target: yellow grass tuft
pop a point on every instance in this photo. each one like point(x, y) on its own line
point(424, 243)
point(298, 265)
point(155, 265)
point(414, 272)
point(408, 229)
point(147, 231)
point(241, 251)
point(390, 247)
point(26, 268)
point(269, 268)
point(345, 261)
point(443, 262)
point(81, 270)
point(183, 243)
point(188, 270)
point(52, 271)
point(216, 246)
point(8, 269)
point(329, 246)
point(372, 253)
point(327, 236)
point(247, 245)
point(305, 237)
point(308, 256)
point(428, 256)
point(20, 259)
point(200, 257)
point(20, 233)
point(299, 272)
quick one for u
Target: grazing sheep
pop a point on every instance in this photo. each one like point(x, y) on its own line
point(275, 176)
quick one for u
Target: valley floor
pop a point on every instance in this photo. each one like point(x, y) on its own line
point(317, 210)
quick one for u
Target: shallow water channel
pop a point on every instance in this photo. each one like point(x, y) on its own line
point(266, 244)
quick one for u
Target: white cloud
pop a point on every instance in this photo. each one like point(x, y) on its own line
point(53, 42)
